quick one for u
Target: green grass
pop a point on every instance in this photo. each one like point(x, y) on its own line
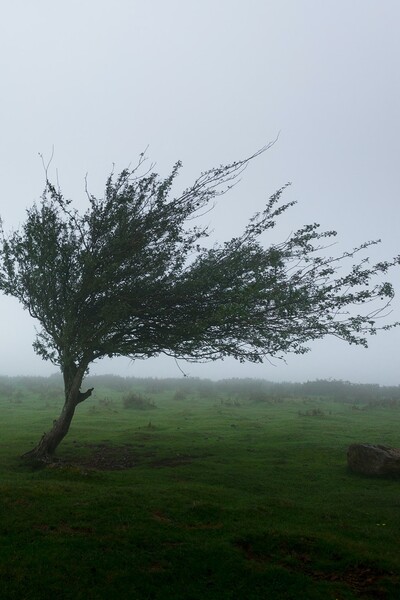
point(226, 500)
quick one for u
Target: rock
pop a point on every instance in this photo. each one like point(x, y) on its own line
point(373, 460)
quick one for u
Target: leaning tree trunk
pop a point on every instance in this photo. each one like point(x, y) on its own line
point(46, 447)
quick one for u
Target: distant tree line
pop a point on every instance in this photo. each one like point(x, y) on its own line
point(252, 389)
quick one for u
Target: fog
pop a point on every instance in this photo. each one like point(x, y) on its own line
point(208, 83)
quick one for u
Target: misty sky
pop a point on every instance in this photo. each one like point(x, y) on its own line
point(207, 83)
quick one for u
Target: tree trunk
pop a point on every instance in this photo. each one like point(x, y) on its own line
point(49, 442)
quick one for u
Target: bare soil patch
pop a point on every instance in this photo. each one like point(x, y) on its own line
point(105, 456)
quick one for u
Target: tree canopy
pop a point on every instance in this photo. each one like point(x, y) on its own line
point(131, 276)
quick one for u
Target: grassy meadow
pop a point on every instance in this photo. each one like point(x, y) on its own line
point(192, 490)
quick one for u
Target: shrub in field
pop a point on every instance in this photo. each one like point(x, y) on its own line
point(106, 402)
point(138, 402)
point(314, 412)
point(258, 396)
point(230, 402)
point(180, 395)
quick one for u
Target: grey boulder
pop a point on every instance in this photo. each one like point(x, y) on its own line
point(373, 460)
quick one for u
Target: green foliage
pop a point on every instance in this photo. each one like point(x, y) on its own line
point(130, 277)
point(138, 402)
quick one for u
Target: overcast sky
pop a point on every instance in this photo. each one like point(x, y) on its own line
point(207, 83)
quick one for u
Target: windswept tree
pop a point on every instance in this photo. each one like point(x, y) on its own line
point(130, 277)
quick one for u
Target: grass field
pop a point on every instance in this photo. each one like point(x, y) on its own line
point(196, 496)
